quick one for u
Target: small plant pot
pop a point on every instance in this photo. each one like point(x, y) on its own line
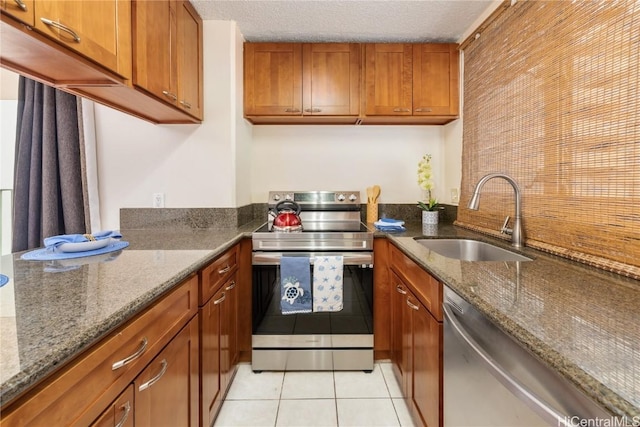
point(430, 217)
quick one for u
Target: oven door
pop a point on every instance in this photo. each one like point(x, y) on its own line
point(313, 341)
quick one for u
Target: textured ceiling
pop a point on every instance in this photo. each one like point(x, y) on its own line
point(347, 20)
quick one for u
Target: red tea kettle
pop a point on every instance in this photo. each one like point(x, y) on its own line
point(286, 216)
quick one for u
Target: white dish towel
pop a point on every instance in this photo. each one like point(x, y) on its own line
point(327, 283)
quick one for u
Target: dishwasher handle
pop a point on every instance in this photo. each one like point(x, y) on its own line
point(508, 380)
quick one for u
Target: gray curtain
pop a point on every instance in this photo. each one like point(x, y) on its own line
point(48, 195)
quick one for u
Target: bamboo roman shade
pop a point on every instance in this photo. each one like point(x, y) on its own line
point(552, 98)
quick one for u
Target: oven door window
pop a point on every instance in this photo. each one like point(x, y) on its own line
point(356, 317)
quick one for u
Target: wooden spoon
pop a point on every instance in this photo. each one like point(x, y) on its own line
point(376, 193)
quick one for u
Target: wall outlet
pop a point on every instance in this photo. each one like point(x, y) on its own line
point(158, 200)
point(454, 195)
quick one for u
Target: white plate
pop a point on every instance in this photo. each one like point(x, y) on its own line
point(84, 246)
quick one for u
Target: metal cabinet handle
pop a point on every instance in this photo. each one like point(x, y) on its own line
point(292, 110)
point(62, 27)
point(169, 95)
point(185, 104)
point(134, 356)
point(21, 5)
point(413, 306)
point(401, 110)
point(155, 379)
point(231, 286)
point(219, 300)
point(423, 110)
point(312, 110)
point(225, 270)
point(400, 290)
point(127, 409)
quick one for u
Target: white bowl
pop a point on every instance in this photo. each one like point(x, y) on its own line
point(84, 246)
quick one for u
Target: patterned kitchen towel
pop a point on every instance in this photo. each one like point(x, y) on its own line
point(55, 241)
point(327, 283)
point(295, 285)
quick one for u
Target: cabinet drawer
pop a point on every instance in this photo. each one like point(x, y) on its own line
point(81, 391)
point(426, 288)
point(218, 272)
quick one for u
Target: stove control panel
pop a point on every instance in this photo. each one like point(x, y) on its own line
point(316, 197)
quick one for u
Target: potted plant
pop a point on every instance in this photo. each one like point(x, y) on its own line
point(430, 211)
point(429, 206)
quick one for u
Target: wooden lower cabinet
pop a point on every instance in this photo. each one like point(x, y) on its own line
point(218, 335)
point(120, 413)
point(416, 344)
point(166, 392)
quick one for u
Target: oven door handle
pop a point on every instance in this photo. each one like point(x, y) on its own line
point(349, 258)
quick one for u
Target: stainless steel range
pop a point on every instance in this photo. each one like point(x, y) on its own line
point(317, 340)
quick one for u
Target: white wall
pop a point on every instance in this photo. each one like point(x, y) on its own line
point(8, 116)
point(193, 165)
point(346, 157)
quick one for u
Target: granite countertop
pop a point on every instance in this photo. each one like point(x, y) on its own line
point(581, 321)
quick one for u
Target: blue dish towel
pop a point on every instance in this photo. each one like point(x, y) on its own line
point(55, 241)
point(327, 283)
point(389, 224)
point(295, 285)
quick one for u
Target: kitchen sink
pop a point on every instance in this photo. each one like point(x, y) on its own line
point(470, 250)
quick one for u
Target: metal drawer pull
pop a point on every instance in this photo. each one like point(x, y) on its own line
point(155, 379)
point(423, 110)
point(186, 105)
point(21, 5)
point(400, 290)
point(219, 300)
point(401, 110)
point(313, 110)
point(292, 110)
point(413, 306)
point(134, 356)
point(231, 286)
point(169, 95)
point(224, 270)
point(127, 409)
point(59, 26)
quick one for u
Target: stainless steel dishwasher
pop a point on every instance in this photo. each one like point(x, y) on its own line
point(490, 380)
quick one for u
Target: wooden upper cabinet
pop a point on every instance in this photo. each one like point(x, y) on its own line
point(302, 83)
point(388, 79)
point(272, 79)
point(331, 79)
point(435, 79)
point(19, 9)
point(154, 32)
point(190, 65)
point(99, 30)
point(411, 83)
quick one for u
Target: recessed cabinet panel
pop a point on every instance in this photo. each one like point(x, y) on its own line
point(331, 73)
point(190, 67)
point(89, 27)
point(388, 79)
point(273, 79)
point(435, 81)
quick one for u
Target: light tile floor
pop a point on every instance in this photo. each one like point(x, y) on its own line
point(314, 399)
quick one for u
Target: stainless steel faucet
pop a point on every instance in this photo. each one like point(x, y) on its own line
point(516, 232)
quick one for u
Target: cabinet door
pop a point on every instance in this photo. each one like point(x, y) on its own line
point(388, 79)
point(166, 392)
point(120, 413)
point(154, 31)
point(190, 67)
point(229, 333)
point(426, 394)
point(435, 79)
point(210, 331)
point(331, 79)
point(96, 29)
point(273, 79)
point(19, 9)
